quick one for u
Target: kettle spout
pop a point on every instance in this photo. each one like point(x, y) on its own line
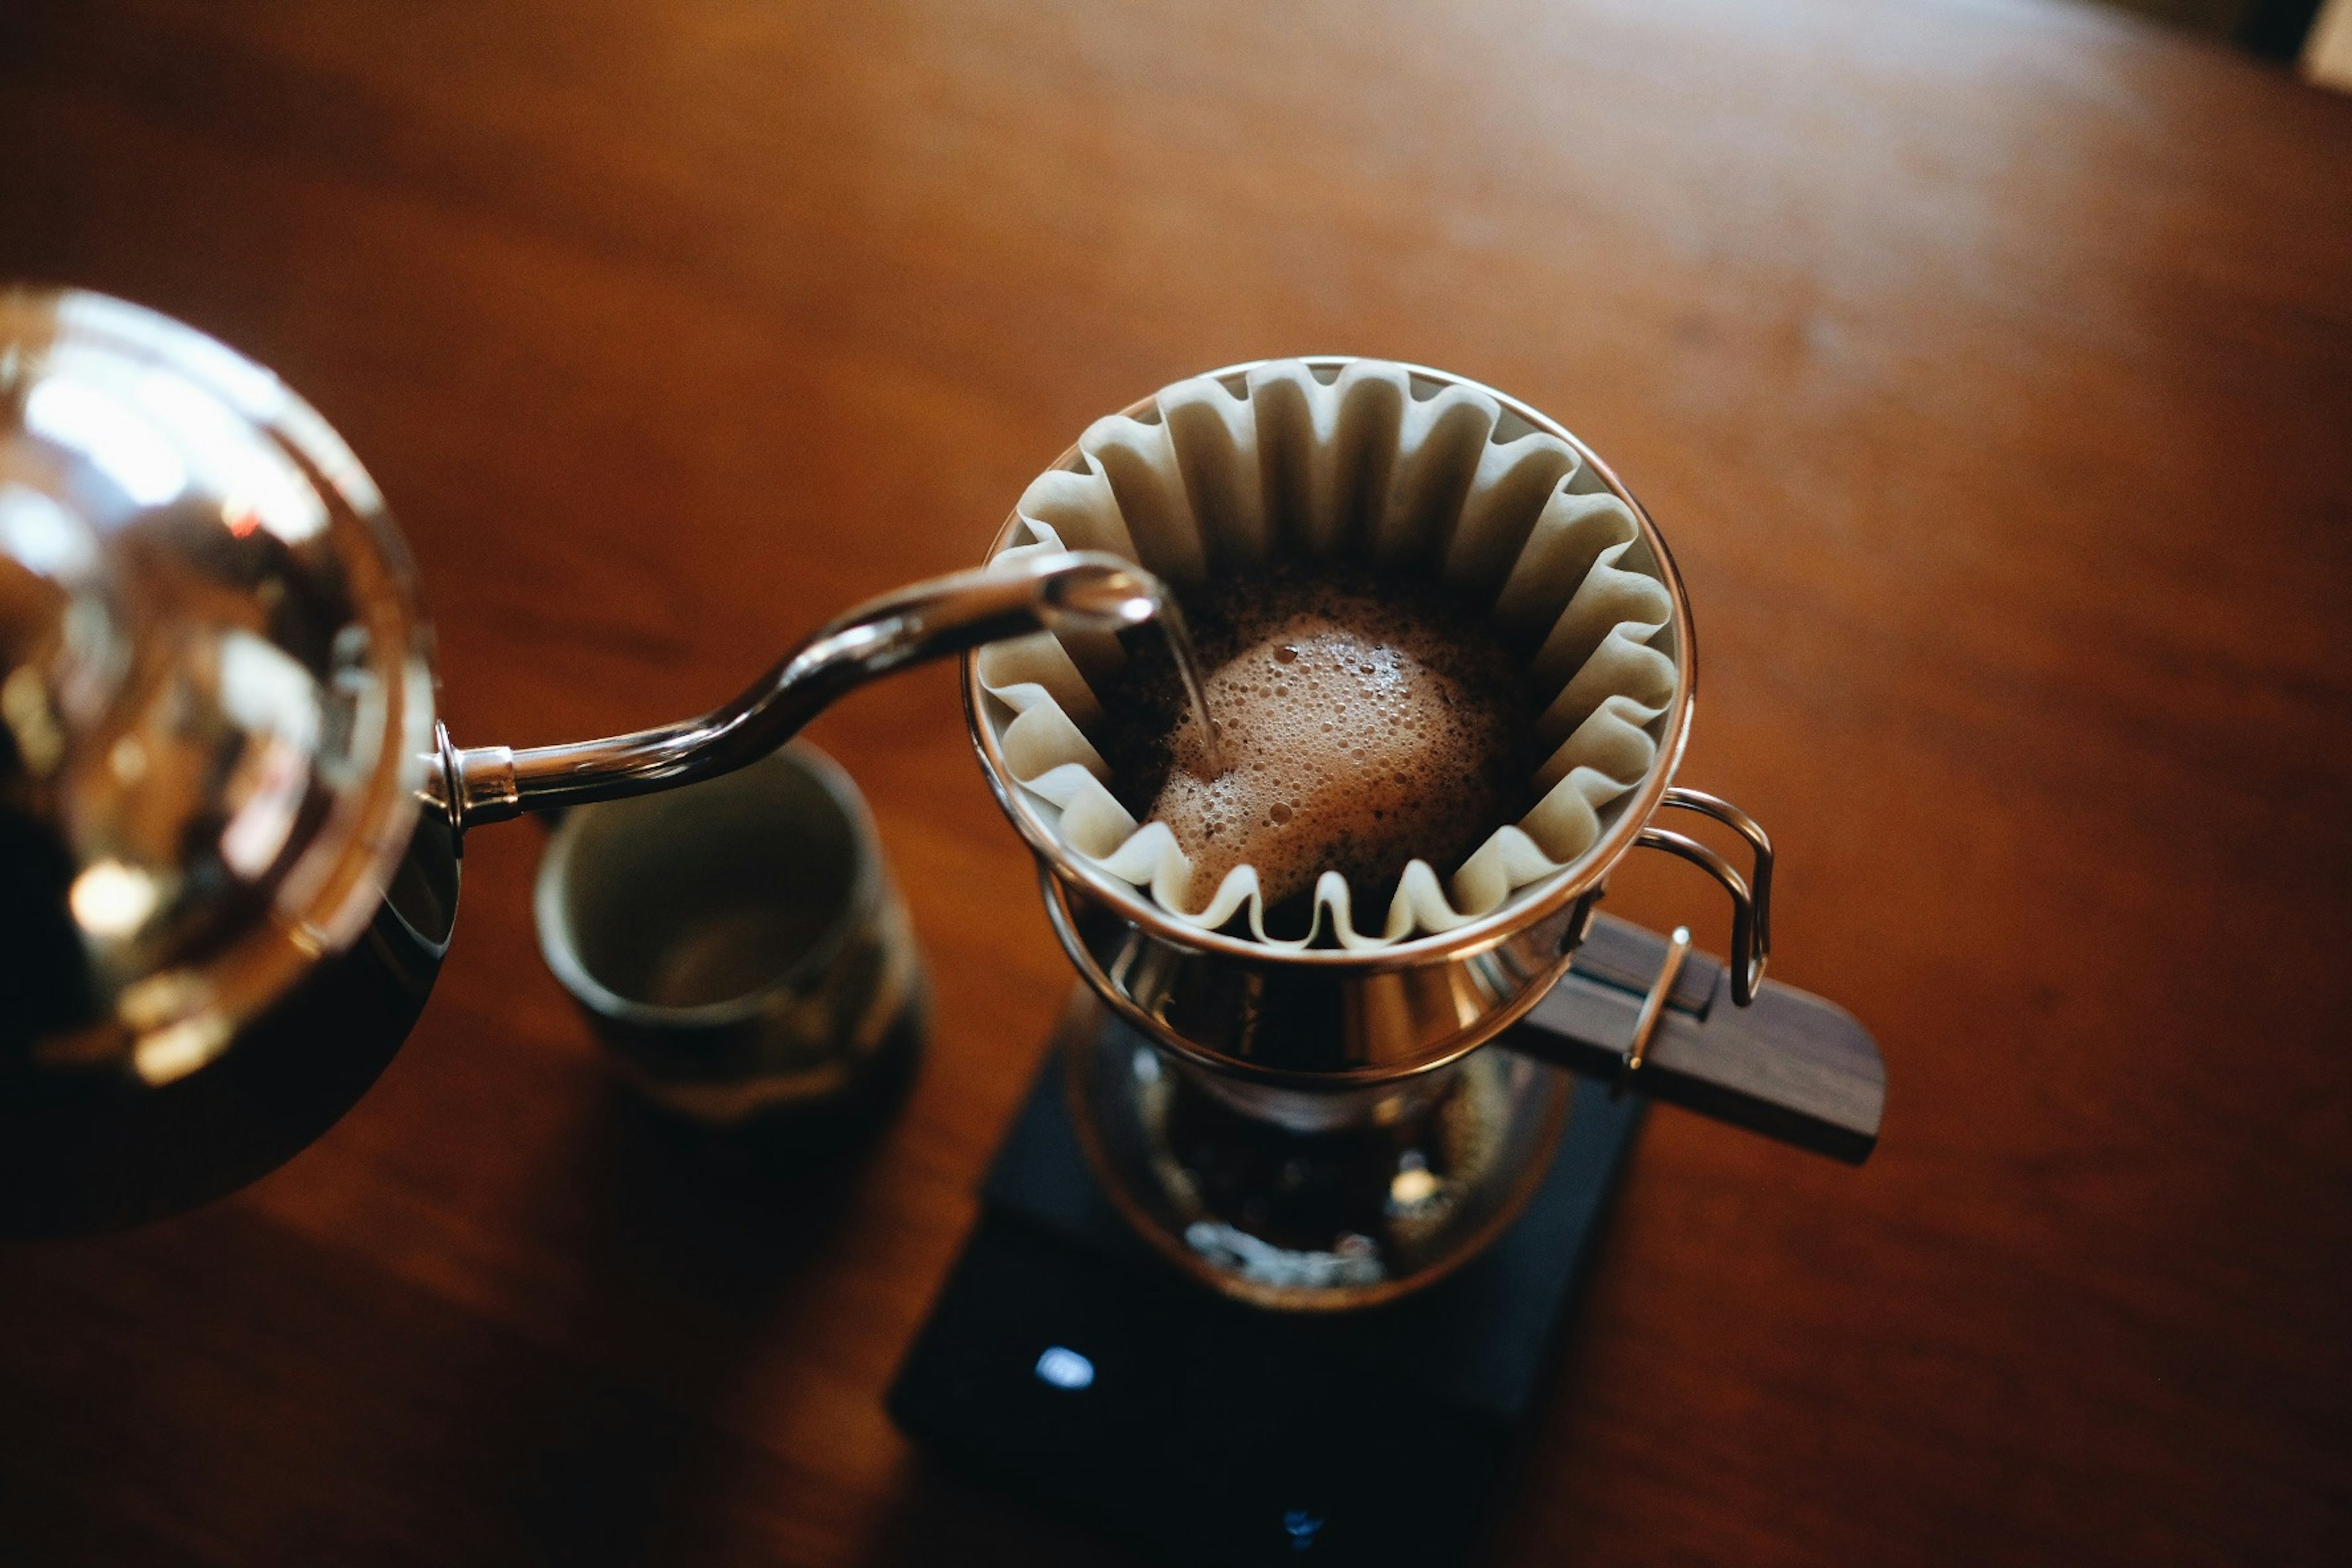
point(1061, 591)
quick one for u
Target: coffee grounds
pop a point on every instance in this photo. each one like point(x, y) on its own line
point(1368, 721)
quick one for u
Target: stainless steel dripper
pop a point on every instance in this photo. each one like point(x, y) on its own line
point(1219, 1054)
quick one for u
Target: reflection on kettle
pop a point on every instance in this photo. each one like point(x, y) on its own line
point(229, 820)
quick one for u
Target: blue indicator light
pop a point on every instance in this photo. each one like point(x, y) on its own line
point(1065, 1368)
point(1302, 1526)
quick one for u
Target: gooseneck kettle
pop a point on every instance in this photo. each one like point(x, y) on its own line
point(229, 818)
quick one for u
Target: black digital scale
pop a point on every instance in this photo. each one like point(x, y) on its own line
point(1068, 1360)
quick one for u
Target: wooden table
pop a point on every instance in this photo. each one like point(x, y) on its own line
point(1989, 367)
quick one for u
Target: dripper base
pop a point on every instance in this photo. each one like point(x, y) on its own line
point(1308, 1200)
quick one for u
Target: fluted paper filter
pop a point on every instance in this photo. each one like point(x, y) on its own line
point(1369, 464)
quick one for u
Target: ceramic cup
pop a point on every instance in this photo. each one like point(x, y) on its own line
point(738, 944)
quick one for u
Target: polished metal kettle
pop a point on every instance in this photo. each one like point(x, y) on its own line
point(229, 817)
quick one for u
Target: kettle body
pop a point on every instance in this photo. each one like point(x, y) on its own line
point(215, 734)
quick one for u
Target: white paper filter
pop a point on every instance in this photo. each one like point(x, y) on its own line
point(1358, 463)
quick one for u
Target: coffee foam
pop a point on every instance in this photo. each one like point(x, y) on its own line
point(1361, 727)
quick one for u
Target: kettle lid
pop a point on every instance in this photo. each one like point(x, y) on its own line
point(215, 695)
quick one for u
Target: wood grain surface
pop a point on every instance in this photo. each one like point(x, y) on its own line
point(1989, 367)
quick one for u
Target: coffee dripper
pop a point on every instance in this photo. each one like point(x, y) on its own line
point(1319, 1128)
point(230, 821)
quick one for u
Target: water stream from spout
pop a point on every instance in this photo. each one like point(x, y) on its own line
point(1170, 621)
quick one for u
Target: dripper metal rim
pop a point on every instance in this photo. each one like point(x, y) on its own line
point(1473, 937)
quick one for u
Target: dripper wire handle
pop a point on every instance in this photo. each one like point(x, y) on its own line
point(1751, 898)
point(1061, 591)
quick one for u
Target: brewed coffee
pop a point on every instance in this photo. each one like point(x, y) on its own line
point(1366, 722)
